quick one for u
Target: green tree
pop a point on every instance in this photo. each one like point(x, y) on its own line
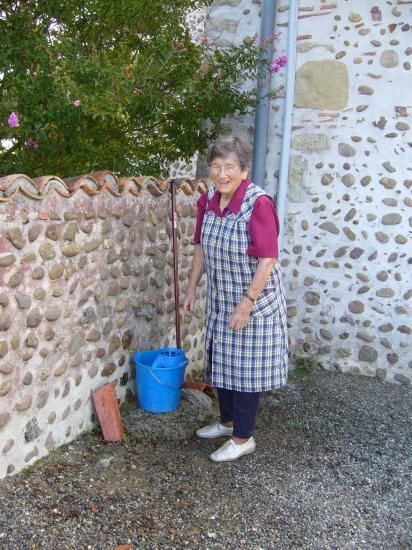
point(96, 84)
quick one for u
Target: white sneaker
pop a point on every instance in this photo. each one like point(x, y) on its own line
point(231, 451)
point(214, 430)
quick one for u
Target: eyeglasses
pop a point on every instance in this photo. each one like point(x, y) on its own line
point(218, 168)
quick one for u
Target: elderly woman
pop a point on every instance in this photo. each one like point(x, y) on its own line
point(246, 348)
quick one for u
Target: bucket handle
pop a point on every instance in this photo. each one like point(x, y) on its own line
point(162, 383)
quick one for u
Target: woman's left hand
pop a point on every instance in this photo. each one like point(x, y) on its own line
point(240, 316)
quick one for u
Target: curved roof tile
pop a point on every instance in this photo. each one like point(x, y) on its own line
point(92, 184)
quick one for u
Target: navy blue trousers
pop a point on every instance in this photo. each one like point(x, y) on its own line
point(241, 408)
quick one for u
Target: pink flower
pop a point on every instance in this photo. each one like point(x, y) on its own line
point(205, 40)
point(76, 102)
point(31, 143)
point(59, 55)
point(282, 60)
point(278, 63)
point(13, 120)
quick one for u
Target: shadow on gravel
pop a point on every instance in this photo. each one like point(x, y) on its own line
point(332, 470)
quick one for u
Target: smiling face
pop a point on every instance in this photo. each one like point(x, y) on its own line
point(227, 175)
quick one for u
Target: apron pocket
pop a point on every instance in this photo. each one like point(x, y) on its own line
point(266, 305)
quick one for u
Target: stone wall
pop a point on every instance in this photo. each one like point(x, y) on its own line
point(347, 254)
point(86, 277)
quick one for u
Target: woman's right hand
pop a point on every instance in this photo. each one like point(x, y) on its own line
point(189, 303)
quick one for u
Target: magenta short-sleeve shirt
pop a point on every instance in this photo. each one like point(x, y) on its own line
point(263, 225)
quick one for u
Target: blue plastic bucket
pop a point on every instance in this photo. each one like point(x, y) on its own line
point(159, 378)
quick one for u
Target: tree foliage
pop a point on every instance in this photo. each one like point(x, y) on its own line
point(104, 84)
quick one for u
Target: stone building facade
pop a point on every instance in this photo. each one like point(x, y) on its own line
point(86, 272)
point(347, 250)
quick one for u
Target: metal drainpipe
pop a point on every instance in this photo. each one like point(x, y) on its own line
point(263, 89)
point(282, 188)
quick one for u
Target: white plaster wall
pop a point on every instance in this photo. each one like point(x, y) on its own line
point(348, 290)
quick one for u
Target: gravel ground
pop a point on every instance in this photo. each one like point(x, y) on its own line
point(332, 470)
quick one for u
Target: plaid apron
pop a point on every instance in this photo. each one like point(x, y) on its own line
point(255, 358)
